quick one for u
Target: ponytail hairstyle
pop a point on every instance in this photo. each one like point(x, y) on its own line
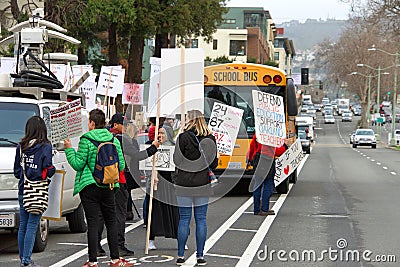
point(197, 122)
point(35, 129)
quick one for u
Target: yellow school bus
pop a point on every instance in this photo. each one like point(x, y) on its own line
point(232, 84)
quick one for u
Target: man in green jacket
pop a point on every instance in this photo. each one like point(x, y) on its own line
point(96, 198)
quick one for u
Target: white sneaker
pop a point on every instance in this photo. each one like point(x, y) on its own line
point(186, 247)
point(152, 246)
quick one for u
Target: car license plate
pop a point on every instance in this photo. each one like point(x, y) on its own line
point(7, 220)
point(234, 165)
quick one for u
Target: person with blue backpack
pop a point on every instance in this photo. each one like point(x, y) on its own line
point(98, 162)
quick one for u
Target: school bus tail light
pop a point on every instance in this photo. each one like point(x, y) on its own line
point(277, 79)
point(267, 79)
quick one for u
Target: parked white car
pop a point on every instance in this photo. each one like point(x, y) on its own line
point(17, 105)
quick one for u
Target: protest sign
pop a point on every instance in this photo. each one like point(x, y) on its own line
point(164, 159)
point(269, 118)
point(88, 89)
point(225, 122)
point(288, 162)
point(66, 121)
point(181, 80)
point(61, 71)
point(133, 94)
point(155, 64)
point(8, 64)
point(56, 187)
point(111, 81)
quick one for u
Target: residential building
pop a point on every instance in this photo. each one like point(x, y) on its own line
point(246, 35)
point(284, 51)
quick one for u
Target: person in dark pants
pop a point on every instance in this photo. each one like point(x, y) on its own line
point(96, 198)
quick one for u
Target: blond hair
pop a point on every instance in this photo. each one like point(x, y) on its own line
point(197, 121)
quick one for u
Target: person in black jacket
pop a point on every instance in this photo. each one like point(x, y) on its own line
point(195, 155)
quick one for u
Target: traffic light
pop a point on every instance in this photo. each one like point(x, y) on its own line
point(304, 76)
point(321, 85)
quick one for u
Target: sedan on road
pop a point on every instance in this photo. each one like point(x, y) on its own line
point(329, 119)
point(364, 137)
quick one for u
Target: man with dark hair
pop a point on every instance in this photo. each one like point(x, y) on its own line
point(96, 198)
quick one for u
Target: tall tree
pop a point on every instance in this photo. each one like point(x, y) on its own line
point(113, 14)
point(187, 19)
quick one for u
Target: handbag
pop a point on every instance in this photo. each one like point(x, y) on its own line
point(211, 175)
point(36, 193)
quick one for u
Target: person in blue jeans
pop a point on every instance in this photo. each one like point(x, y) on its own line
point(195, 154)
point(34, 157)
point(262, 184)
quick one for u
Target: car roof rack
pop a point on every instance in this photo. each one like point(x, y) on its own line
point(39, 93)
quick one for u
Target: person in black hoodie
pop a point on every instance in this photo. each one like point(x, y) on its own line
point(195, 154)
point(34, 157)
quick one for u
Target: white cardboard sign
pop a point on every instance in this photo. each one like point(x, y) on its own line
point(164, 159)
point(225, 122)
point(111, 81)
point(88, 89)
point(66, 121)
point(288, 162)
point(8, 64)
point(56, 186)
point(269, 118)
point(181, 70)
point(155, 64)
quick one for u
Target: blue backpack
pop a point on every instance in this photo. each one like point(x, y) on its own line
point(106, 169)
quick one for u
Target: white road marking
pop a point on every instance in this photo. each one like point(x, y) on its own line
point(378, 163)
point(222, 256)
point(73, 244)
point(191, 261)
point(372, 160)
point(242, 230)
point(258, 238)
point(82, 252)
point(393, 173)
point(385, 168)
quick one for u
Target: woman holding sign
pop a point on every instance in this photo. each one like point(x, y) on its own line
point(263, 158)
point(195, 154)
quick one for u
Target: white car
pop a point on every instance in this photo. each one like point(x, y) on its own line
point(329, 119)
point(17, 105)
point(364, 137)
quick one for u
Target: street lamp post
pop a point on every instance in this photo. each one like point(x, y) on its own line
point(394, 101)
point(369, 90)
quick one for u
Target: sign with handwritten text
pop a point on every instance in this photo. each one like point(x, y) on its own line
point(66, 121)
point(225, 122)
point(111, 81)
point(164, 159)
point(288, 162)
point(132, 94)
point(269, 118)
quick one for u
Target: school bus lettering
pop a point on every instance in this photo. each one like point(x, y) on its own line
point(250, 76)
point(222, 76)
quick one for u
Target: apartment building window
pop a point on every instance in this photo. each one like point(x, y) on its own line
point(230, 21)
point(252, 20)
point(192, 43)
point(237, 48)
point(215, 44)
point(276, 56)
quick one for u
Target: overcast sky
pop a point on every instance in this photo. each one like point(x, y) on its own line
point(286, 10)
